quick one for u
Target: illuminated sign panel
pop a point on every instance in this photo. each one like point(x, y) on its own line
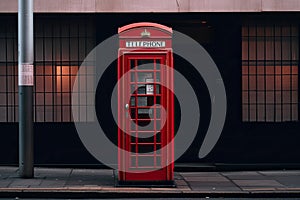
point(146, 44)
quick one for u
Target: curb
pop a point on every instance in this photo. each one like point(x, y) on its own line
point(135, 193)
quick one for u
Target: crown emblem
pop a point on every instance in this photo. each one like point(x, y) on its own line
point(145, 33)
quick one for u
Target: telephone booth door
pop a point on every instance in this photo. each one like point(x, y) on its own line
point(146, 105)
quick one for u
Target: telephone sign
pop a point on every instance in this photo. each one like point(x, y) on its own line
point(146, 44)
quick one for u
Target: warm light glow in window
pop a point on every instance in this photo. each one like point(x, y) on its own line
point(62, 71)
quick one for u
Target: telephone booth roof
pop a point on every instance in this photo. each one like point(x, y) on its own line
point(146, 36)
point(144, 24)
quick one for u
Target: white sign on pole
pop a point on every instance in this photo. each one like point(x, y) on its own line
point(26, 75)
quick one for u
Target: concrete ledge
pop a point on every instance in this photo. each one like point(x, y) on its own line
point(155, 6)
point(278, 5)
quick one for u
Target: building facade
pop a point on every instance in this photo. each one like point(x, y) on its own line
point(255, 45)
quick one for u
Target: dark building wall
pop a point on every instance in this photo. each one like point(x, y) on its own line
point(240, 142)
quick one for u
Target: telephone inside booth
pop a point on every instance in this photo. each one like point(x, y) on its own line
point(145, 105)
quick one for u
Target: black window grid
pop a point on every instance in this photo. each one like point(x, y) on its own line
point(270, 59)
point(64, 49)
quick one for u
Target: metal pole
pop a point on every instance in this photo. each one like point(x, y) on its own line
point(25, 67)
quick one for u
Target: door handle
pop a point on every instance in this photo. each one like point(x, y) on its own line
point(126, 107)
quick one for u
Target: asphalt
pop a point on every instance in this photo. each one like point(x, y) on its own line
point(100, 183)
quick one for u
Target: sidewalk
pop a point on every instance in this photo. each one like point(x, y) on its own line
point(99, 183)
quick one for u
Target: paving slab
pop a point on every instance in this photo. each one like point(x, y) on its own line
point(181, 182)
point(215, 188)
point(281, 173)
point(201, 174)
point(52, 169)
point(91, 172)
point(90, 182)
point(25, 182)
point(288, 181)
point(205, 179)
point(248, 177)
point(4, 176)
point(243, 173)
point(5, 183)
point(4, 169)
point(82, 183)
point(212, 184)
point(53, 183)
point(262, 183)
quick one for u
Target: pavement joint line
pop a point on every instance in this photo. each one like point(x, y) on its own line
point(9, 183)
point(231, 180)
point(70, 174)
point(184, 180)
point(187, 183)
point(259, 172)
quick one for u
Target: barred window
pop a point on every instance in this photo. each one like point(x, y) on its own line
point(60, 47)
point(270, 58)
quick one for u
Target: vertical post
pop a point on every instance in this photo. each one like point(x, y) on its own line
point(25, 79)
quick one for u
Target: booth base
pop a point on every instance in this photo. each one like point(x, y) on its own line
point(145, 184)
point(156, 184)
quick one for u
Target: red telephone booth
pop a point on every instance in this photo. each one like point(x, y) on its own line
point(145, 105)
